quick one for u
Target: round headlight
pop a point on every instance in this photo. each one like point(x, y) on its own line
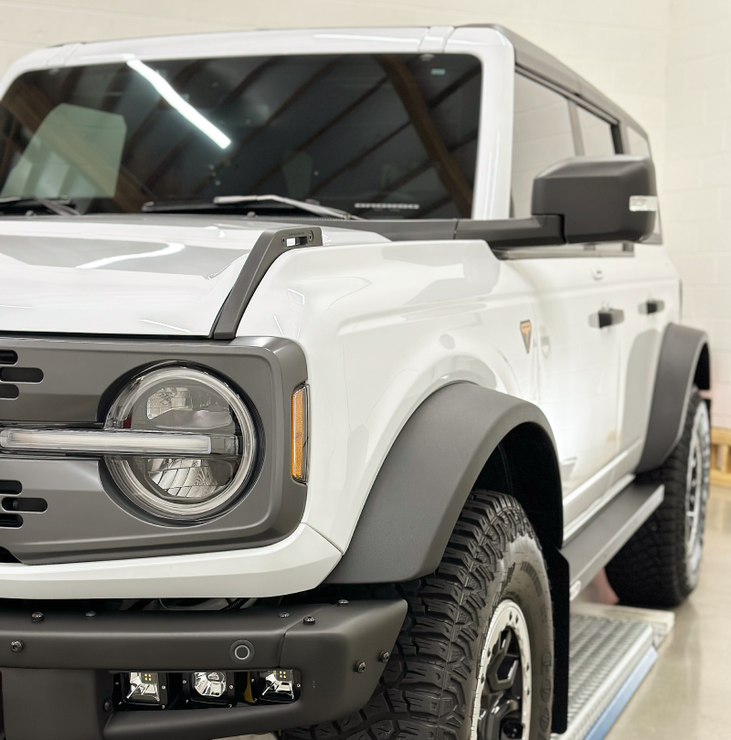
point(184, 405)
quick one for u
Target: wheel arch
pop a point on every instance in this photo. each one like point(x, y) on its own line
point(684, 361)
point(461, 437)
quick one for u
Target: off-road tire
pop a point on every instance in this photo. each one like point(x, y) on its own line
point(658, 567)
point(427, 691)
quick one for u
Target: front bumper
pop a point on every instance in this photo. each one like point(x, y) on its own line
point(299, 563)
point(60, 685)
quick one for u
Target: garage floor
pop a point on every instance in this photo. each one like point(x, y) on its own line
point(688, 692)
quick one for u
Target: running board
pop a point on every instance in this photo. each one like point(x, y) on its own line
point(612, 650)
point(590, 549)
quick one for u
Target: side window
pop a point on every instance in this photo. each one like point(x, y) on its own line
point(596, 134)
point(542, 135)
point(637, 143)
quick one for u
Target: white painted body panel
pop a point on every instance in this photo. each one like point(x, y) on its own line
point(382, 325)
point(293, 565)
point(125, 275)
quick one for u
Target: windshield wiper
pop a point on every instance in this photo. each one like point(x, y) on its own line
point(59, 206)
point(247, 200)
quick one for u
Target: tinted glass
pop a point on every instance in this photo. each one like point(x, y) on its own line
point(596, 134)
point(377, 135)
point(638, 144)
point(542, 135)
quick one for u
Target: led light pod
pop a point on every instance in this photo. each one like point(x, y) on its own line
point(210, 684)
point(188, 483)
point(145, 687)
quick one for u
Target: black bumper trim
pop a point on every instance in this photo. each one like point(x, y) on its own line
point(324, 652)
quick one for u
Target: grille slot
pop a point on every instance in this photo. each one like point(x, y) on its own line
point(21, 374)
point(8, 357)
point(11, 521)
point(35, 505)
point(12, 487)
point(7, 557)
point(9, 392)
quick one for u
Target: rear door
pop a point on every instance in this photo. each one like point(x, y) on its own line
point(651, 299)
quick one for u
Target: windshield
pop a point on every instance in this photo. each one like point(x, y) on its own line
point(379, 136)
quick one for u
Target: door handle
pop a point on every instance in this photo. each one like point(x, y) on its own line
point(652, 306)
point(606, 317)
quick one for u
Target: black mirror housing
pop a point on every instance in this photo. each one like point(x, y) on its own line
point(600, 199)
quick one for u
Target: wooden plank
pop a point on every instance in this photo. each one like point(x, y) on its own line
point(720, 436)
point(720, 458)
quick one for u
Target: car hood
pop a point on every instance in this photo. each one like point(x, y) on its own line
point(133, 275)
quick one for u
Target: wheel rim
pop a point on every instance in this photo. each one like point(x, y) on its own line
point(502, 705)
point(696, 488)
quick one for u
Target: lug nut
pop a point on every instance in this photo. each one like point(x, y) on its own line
point(283, 615)
point(36, 617)
point(343, 602)
point(107, 706)
point(17, 646)
point(384, 656)
point(90, 614)
point(308, 620)
point(360, 666)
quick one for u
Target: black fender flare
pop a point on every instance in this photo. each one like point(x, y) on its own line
point(684, 362)
point(428, 474)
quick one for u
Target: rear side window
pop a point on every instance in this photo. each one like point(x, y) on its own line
point(542, 135)
point(596, 134)
point(637, 143)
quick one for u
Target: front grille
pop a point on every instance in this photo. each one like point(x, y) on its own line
point(11, 375)
point(68, 509)
point(12, 503)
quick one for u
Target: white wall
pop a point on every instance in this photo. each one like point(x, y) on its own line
point(697, 182)
point(668, 62)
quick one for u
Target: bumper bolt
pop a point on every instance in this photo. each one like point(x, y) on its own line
point(36, 617)
point(343, 602)
point(17, 646)
point(308, 620)
point(360, 666)
point(384, 656)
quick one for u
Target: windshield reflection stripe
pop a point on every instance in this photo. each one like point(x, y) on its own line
point(183, 107)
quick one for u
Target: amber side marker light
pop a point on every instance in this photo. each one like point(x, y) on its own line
point(299, 434)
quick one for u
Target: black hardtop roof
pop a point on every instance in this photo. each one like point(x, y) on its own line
point(535, 60)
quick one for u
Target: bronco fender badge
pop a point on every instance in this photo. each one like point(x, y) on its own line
point(525, 330)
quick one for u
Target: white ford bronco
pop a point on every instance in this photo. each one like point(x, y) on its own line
point(333, 365)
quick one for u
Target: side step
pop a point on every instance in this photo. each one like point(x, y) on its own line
point(592, 547)
point(612, 650)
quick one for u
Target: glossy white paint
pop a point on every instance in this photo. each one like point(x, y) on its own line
point(138, 275)
point(384, 326)
point(293, 565)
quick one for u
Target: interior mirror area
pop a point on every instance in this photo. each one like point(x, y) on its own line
point(599, 199)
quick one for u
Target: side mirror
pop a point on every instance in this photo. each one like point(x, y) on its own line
point(599, 199)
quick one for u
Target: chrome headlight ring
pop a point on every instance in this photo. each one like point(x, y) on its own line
point(184, 403)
